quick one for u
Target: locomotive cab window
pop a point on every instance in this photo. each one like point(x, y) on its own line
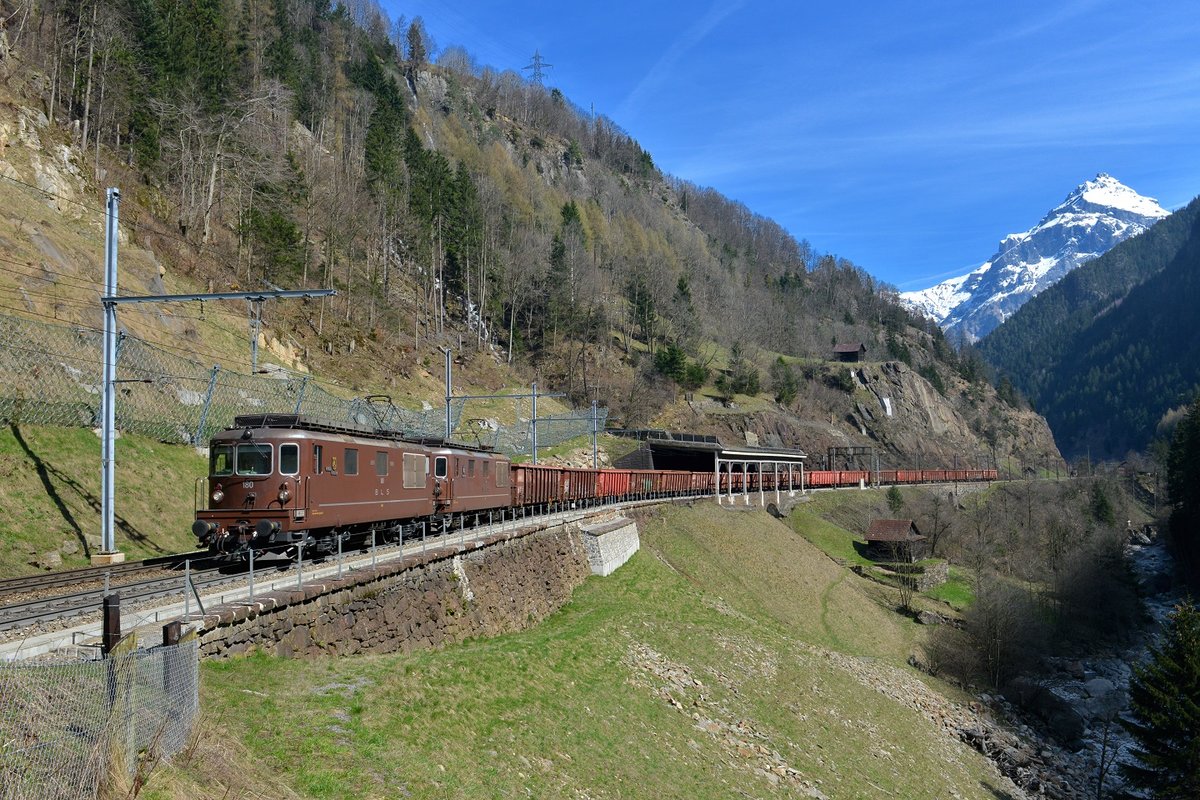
point(351, 461)
point(317, 465)
point(381, 465)
point(253, 459)
point(289, 459)
point(485, 468)
point(220, 460)
point(439, 467)
point(471, 468)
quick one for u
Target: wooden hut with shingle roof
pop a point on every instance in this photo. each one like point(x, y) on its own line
point(850, 352)
point(895, 540)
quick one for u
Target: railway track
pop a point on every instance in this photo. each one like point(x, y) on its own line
point(207, 573)
point(48, 609)
point(83, 575)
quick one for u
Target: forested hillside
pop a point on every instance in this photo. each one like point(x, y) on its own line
point(1112, 348)
point(302, 143)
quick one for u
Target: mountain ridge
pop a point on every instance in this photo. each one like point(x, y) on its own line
point(1106, 352)
point(1094, 217)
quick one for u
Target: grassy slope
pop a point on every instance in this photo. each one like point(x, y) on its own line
point(691, 672)
point(50, 491)
point(834, 522)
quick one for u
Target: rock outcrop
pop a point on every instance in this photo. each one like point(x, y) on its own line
point(904, 414)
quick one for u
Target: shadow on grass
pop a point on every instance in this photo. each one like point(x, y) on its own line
point(48, 474)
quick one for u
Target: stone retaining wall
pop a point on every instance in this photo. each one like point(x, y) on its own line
point(610, 544)
point(934, 575)
point(505, 582)
point(922, 577)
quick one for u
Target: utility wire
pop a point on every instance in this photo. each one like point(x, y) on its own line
point(59, 278)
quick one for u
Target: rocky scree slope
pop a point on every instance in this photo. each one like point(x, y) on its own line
point(902, 413)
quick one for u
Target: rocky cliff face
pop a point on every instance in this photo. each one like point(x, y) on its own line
point(900, 414)
point(969, 427)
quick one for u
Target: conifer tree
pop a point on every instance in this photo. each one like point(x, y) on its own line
point(1183, 474)
point(1183, 486)
point(1164, 702)
point(417, 50)
point(784, 382)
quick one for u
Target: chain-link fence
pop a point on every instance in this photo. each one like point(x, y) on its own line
point(551, 431)
point(67, 728)
point(52, 375)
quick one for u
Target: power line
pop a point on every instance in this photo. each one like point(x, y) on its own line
point(55, 195)
point(57, 300)
point(24, 311)
point(59, 278)
point(189, 353)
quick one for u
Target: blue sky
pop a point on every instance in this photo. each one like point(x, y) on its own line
point(908, 136)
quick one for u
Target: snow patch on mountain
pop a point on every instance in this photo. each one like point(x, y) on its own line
point(1095, 217)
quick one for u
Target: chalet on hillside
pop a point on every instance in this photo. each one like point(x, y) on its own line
point(850, 352)
point(895, 540)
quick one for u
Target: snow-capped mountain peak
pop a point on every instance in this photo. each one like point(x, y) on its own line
point(1095, 216)
point(1106, 192)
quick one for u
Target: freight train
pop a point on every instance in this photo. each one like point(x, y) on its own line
point(284, 481)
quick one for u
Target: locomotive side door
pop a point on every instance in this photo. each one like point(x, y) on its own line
point(442, 485)
point(291, 491)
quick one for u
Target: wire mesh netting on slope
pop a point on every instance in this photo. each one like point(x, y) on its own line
point(53, 375)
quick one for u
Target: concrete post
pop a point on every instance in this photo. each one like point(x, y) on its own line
point(300, 394)
point(533, 427)
point(208, 396)
point(449, 391)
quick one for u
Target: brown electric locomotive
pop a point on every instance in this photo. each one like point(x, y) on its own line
point(281, 480)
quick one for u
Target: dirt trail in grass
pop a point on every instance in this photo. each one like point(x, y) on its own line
point(829, 631)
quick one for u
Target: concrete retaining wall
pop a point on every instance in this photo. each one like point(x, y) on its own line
point(503, 583)
point(610, 544)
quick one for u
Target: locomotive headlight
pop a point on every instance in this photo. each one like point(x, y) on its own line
point(284, 494)
point(218, 495)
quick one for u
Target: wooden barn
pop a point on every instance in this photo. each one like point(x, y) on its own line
point(850, 352)
point(895, 540)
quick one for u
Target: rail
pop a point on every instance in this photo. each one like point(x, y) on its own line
point(70, 577)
